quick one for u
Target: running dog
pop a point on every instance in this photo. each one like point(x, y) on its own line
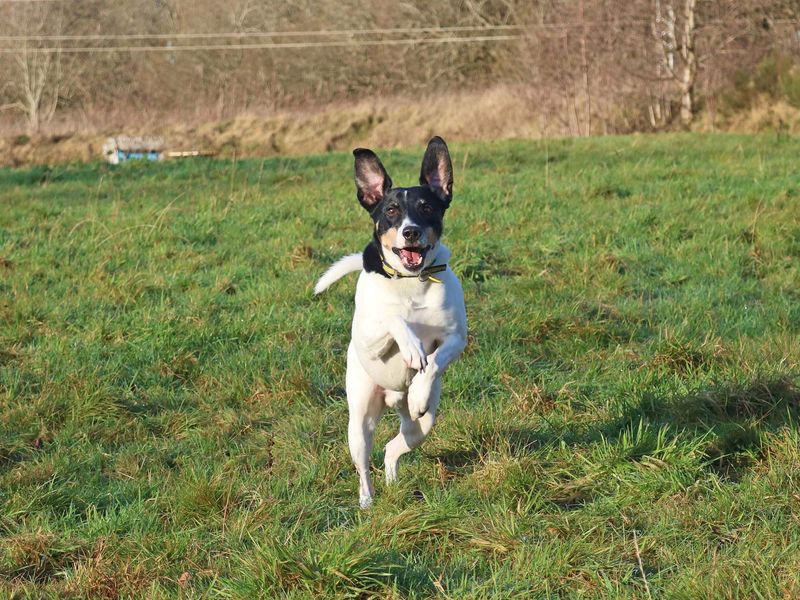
point(409, 323)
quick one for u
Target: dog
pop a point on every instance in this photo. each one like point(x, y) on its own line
point(410, 323)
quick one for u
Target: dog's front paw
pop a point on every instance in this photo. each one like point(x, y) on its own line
point(410, 346)
point(413, 353)
point(419, 393)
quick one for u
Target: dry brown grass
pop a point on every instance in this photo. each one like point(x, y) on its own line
point(499, 112)
point(767, 115)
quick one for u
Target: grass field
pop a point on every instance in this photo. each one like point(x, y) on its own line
point(623, 424)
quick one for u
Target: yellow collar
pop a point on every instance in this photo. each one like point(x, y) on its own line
point(424, 275)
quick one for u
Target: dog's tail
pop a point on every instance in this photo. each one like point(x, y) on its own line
point(343, 266)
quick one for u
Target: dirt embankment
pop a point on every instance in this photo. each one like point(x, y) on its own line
point(496, 113)
point(385, 123)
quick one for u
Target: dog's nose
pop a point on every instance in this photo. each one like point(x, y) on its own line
point(411, 233)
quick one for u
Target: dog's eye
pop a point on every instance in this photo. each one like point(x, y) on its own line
point(425, 209)
point(392, 212)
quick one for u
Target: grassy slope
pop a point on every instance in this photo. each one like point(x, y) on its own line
point(171, 394)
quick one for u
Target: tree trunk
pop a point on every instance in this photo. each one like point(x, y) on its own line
point(585, 68)
point(666, 45)
point(689, 74)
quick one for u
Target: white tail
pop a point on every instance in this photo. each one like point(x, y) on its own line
point(343, 266)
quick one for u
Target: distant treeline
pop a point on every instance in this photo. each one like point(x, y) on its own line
point(584, 66)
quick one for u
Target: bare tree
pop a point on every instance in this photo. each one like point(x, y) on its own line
point(689, 58)
point(36, 75)
point(587, 92)
point(39, 79)
point(664, 30)
point(660, 109)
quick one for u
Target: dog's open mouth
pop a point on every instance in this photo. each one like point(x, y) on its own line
point(412, 258)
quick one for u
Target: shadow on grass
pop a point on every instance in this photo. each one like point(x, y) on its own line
point(515, 441)
point(39, 558)
point(732, 419)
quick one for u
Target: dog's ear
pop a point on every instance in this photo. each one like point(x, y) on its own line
point(372, 180)
point(437, 170)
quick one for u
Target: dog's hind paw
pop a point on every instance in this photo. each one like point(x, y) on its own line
point(390, 467)
point(365, 502)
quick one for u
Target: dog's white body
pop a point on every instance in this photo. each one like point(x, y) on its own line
point(405, 334)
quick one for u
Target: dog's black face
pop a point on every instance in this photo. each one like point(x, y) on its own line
point(408, 221)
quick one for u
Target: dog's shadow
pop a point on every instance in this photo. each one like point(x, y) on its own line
point(730, 420)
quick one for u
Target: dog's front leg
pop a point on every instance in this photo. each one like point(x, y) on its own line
point(379, 336)
point(419, 392)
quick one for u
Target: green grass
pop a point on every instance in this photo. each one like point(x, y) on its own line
point(172, 413)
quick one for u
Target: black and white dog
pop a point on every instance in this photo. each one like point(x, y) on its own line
point(409, 323)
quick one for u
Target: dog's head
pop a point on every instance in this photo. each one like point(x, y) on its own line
point(408, 221)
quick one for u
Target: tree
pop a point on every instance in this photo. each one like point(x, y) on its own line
point(36, 73)
point(689, 59)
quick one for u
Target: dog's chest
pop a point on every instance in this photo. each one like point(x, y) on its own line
point(407, 307)
point(424, 310)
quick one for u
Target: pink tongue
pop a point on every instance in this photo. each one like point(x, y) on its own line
point(410, 257)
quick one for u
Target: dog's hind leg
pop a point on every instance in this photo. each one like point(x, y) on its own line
point(412, 433)
point(365, 404)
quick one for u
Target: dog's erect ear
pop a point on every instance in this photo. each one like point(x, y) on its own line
point(372, 180)
point(437, 170)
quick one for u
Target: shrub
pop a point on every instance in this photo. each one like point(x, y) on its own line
point(777, 77)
